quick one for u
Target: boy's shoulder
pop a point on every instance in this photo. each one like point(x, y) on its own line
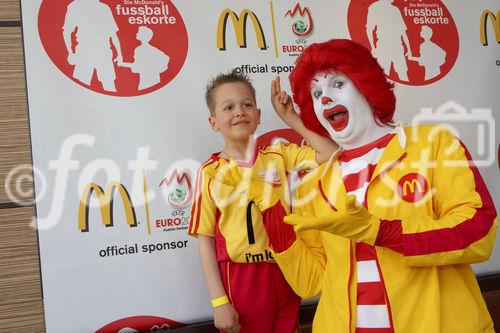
point(278, 147)
point(277, 150)
point(211, 163)
point(289, 150)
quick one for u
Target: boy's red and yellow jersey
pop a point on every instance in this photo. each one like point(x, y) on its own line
point(228, 215)
point(426, 179)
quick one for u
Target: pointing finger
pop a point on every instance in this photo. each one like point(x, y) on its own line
point(278, 83)
point(274, 88)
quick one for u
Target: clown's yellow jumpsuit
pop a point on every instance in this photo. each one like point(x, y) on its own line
point(425, 180)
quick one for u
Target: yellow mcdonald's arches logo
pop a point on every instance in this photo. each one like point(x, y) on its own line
point(410, 185)
point(239, 24)
point(105, 199)
point(495, 21)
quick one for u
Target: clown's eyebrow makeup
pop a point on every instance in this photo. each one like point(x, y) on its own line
point(334, 76)
point(324, 77)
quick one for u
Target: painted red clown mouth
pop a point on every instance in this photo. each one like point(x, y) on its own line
point(338, 117)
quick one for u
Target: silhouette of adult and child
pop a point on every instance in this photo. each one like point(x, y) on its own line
point(389, 42)
point(94, 28)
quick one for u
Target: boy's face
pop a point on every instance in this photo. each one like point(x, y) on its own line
point(236, 115)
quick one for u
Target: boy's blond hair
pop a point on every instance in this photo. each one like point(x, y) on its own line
point(223, 78)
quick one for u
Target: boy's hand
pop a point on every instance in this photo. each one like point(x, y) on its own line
point(226, 318)
point(282, 102)
point(353, 222)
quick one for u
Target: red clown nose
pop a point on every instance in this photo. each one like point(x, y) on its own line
point(325, 100)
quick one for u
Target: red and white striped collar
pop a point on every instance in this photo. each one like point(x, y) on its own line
point(243, 164)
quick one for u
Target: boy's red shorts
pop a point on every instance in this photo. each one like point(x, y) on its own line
point(261, 296)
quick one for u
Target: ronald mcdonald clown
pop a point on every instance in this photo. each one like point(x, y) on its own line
point(388, 228)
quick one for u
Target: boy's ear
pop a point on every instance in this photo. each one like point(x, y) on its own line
point(258, 112)
point(213, 124)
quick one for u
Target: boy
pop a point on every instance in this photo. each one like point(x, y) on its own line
point(248, 291)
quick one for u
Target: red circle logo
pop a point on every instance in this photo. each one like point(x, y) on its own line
point(139, 324)
point(114, 47)
point(284, 135)
point(415, 41)
point(412, 187)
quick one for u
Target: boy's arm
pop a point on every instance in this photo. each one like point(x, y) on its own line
point(225, 316)
point(202, 226)
point(283, 106)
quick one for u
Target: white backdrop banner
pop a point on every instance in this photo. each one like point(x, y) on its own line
point(119, 126)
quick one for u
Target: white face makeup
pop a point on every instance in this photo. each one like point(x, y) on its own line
point(342, 110)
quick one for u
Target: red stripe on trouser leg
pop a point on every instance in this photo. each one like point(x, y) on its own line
point(261, 296)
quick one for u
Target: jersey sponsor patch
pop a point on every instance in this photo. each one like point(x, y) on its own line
point(271, 176)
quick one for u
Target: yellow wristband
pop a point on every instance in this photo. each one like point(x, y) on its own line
point(219, 301)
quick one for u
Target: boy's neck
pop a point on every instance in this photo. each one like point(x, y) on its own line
point(240, 151)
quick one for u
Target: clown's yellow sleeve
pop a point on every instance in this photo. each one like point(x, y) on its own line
point(464, 226)
point(303, 264)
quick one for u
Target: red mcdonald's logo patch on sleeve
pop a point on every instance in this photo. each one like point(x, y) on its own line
point(412, 187)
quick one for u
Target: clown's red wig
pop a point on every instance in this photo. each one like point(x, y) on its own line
point(351, 59)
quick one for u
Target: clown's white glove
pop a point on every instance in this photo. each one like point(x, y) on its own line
point(351, 221)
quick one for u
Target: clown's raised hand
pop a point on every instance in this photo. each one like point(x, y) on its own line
point(351, 221)
point(282, 103)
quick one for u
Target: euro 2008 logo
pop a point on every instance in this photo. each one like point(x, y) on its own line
point(114, 47)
